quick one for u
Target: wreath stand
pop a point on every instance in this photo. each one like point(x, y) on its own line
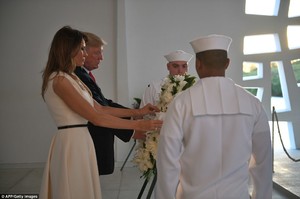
point(150, 189)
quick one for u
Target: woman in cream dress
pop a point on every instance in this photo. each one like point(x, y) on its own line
point(71, 169)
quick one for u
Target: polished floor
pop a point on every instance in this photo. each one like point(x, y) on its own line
point(286, 172)
point(126, 184)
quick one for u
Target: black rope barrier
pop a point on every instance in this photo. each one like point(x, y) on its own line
point(286, 152)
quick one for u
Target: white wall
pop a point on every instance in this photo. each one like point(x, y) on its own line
point(138, 32)
point(27, 29)
point(154, 28)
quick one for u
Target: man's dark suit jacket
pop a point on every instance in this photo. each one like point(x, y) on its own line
point(103, 137)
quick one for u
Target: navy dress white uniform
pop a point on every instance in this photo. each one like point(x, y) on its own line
point(153, 90)
point(209, 134)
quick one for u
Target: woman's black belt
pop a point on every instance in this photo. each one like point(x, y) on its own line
point(72, 126)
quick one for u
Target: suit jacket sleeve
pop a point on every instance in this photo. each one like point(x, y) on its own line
point(123, 134)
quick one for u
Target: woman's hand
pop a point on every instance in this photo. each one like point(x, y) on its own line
point(148, 109)
point(139, 135)
point(148, 125)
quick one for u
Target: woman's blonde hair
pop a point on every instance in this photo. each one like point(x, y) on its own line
point(64, 47)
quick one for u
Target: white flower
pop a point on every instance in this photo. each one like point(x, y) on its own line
point(160, 116)
point(181, 85)
point(169, 87)
point(166, 80)
point(146, 151)
point(142, 157)
point(167, 98)
point(179, 78)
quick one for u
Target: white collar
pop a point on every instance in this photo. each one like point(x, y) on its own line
point(86, 70)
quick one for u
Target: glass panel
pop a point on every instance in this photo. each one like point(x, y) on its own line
point(252, 70)
point(293, 34)
point(294, 8)
point(262, 7)
point(296, 68)
point(256, 91)
point(280, 98)
point(256, 44)
point(287, 135)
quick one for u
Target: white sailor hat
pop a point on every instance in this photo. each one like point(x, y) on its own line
point(178, 55)
point(211, 42)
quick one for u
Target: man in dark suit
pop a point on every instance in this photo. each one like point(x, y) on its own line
point(103, 137)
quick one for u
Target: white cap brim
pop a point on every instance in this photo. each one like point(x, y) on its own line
point(178, 55)
point(211, 42)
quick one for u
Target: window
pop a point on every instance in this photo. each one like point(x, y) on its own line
point(252, 70)
point(287, 137)
point(256, 91)
point(280, 98)
point(296, 68)
point(257, 44)
point(255, 49)
point(294, 10)
point(262, 7)
point(293, 34)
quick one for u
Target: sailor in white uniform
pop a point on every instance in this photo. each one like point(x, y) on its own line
point(209, 134)
point(177, 65)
